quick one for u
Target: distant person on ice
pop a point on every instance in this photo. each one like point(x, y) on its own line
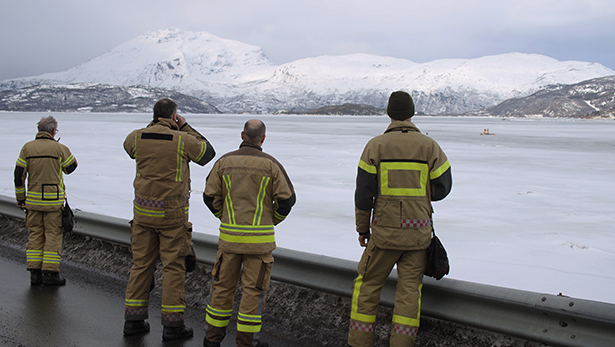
point(160, 226)
point(43, 161)
point(400, 173)
point(250, 192)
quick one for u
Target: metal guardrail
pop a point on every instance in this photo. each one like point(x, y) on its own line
point(549, 319)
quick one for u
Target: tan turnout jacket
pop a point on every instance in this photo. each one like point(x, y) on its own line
point(399, 174)
point(162, 183)
point(250, 192)
point(44, 162)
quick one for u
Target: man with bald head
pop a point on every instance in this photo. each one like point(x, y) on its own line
point(250, 192)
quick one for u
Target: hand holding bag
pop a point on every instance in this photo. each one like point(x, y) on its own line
point(437, 260)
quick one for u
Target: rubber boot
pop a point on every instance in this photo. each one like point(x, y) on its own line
point(51, 278)
point(135, 327)
point(176, 333)
point(36, 277)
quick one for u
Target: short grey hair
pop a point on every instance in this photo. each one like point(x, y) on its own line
point(48, 124)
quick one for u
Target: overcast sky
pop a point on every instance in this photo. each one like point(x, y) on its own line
point(39, 36)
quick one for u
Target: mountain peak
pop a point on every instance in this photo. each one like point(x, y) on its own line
point(238, 77)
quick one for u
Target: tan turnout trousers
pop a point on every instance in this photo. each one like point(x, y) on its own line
point(255, 278)
point(374, 268)
point(172, 244)
point(44, 247)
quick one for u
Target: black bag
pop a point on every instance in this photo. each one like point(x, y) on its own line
point(68, 218)
point(437, 260)
point(191, 259)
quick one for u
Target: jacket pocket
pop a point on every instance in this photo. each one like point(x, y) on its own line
point(387, 213)
point(367, 254)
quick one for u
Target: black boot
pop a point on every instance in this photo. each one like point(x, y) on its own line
point(51, 278)
point(36, 277)
point(135, 327)
point(262, 344)
point(207, 343)
point(176, 333)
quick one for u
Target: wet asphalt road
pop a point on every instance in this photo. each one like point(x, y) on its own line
point(87, 311)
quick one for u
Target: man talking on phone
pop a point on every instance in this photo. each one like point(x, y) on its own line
point(160, 226)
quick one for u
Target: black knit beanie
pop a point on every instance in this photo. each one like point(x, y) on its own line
point(400, 106)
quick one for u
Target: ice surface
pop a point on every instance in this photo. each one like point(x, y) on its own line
point(532, 207)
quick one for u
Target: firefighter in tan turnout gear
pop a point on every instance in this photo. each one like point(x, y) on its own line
point(250, 192)
point(43, 162)
point(400, 172)
point(160, 226)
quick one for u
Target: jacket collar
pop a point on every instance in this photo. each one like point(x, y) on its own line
point(250, 144)
point(44, 135)
point(167, 122)
point(401, 126)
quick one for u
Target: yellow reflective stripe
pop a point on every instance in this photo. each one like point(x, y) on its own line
point(218, 214)
point(44, 202)
point(247, 239)
point(278, 215)
point(220, 323)
point(369, 168)
point(367, 318)
point(202, 153)
point(136, 302)
point(173, 308)
point(437, 173)
point(149, 213)
point(34, 255)
point(415, 322)
point(229, 201)
point(248, 328)
point(134, 146)
point(22, 162)
point(20, 190)
point(250, 317)
point(49, 196)
point(258, 213)
point(385, 167)
point(180, 150)
point(246, 228)
point(68, 161)
point(51, 258)
point(217, 312)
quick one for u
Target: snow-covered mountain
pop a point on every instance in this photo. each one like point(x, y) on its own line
point(237, 77)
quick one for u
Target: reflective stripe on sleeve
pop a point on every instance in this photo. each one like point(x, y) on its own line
point(367, 167)
point(439, 171)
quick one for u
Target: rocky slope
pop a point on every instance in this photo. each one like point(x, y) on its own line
point(95, 98)
point(593, 98)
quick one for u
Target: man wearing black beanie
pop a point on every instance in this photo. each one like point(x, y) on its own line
point(400, 173)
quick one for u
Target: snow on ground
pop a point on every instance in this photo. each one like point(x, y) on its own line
point(532, 206)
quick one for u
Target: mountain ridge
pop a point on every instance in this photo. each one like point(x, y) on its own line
point(238, 77)
point(594, 98)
